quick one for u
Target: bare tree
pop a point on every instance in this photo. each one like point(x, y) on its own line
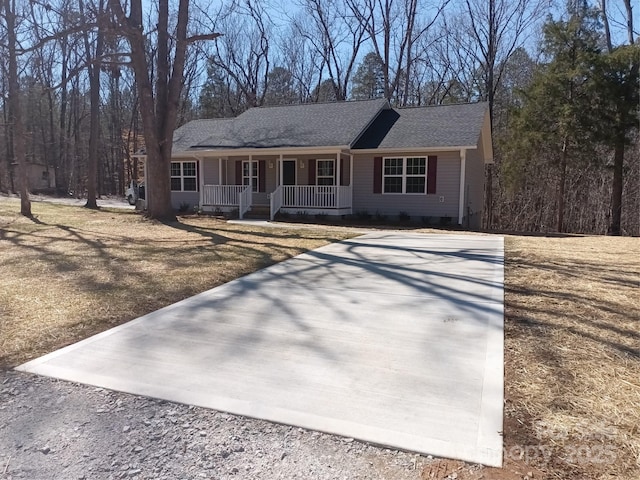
point(16, 123)
point(244, 52)
point(301, 59)
point(336, 31)
point(159, 102)
point(495, 28)
point(93, 58)
point(395, 28)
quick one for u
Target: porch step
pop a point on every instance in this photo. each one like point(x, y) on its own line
point(258, 212)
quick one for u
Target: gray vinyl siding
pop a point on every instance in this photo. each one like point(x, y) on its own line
point(417, 206)
point(209, 168)
point(474, 180)
point(188, 198)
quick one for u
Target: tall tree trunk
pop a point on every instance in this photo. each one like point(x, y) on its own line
point(616, 189)
point(93, 68)
point(490, 65)
point(15, 119)
point(158, 114)
point(62, 170)
point(561, 187)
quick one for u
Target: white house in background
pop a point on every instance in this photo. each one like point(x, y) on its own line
point(336, 159)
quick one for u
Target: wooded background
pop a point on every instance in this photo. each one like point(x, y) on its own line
point(561, 81)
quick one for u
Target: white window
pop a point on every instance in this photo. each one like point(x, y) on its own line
point(404, 175)
point(184, 177)
point(250, 174)
point(326, 172)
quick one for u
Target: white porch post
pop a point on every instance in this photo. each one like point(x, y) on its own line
point(463, 168)
point(280, 170)
point(219, 170)
point(338, 179)
point(351, 182)
point(201, 172)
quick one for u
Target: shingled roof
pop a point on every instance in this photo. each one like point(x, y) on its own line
point(426, 127)
point(196, 131)
point(307, 125)
point(359, 125)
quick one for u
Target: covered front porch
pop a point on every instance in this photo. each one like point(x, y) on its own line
point(297, 183)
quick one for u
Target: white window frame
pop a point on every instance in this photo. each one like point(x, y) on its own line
point(253, 178)
point(332, 177)
point(182, 176)
point(404, 175)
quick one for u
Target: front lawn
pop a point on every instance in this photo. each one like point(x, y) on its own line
point(72, 272)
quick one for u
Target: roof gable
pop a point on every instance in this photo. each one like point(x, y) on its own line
point(426, 127)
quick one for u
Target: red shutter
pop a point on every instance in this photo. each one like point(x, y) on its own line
point(262, 176)
point(377, 174)
point(238, 172)
point(432, 168)
point(312, 172)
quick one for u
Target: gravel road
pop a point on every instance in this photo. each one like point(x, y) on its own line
point(50, 429)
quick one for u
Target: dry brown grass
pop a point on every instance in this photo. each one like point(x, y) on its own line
point(572, 318)
point(572, 351)
point(73, 272)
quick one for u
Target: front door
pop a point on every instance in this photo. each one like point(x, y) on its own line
point(288, 172)
point(288, 178)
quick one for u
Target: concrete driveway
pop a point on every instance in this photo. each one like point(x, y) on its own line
point(393, 338)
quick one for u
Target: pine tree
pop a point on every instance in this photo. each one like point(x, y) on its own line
point(552, 129)
point(368, 82)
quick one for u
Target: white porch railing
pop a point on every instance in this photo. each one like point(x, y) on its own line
point(222, 195)
point(316, 196)
point(275, 201)
point(244, 201)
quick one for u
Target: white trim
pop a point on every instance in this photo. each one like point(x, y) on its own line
point(200, 173)
point(318, 151)
point(251, 176)
point(404, 175)
point(182, 176)
point(334, 160)
point(410, 151)
point(338, 171)
point(351, 178)
point(463, 172)
point(220, 171)
point(236, 152)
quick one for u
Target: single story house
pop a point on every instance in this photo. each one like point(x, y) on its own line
point(338, 158)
